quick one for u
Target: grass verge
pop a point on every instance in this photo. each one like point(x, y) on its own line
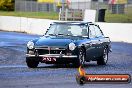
point(42, 15)
point(112, 18)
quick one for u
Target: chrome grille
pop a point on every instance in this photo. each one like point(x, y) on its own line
point(50, 50)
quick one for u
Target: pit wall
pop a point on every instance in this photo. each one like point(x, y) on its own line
point(118, 32)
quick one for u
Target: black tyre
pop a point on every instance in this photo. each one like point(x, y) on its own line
point(81, 58)
point(31, 62)
point(104, 58)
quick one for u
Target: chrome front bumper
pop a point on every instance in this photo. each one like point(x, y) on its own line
point(53, 55)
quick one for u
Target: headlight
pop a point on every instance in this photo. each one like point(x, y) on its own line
point(72, 46)
point(30, 45)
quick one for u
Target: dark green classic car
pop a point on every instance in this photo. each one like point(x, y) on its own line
point(69, 42)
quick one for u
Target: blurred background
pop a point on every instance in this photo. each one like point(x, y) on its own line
point(107, 10)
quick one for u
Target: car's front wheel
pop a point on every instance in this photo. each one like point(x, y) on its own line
point(104, 58)
point(81, 58)
point(31, 62)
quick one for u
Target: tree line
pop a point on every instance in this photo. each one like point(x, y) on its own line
point(7, 5)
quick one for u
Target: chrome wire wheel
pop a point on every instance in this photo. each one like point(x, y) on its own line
point(81, 57)
point(105, 55)
point(104, 58)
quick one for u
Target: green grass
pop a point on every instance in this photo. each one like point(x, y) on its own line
point(120, 18)
point(42, 15)
point(115, 18)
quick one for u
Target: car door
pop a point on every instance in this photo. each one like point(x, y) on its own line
point(92, 51)
point(101, 39)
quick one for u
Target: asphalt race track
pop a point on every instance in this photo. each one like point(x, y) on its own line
point(15, 74)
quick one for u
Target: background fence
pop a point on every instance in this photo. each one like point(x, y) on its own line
point(78, 5)
point(34, 6)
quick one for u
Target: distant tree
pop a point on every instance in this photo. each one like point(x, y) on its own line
point(7, 5)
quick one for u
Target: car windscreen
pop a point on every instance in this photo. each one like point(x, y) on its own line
point(68, 29)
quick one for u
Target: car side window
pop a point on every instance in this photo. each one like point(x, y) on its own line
point(92, 33)
point(98, 31)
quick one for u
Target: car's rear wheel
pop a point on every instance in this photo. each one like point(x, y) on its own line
point(81, 58)
point(32, 63)
point(104, 58)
